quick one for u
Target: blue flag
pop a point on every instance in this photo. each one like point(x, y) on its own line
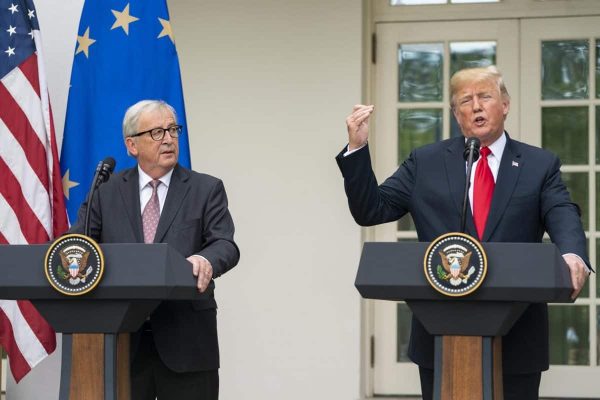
point(125, 52)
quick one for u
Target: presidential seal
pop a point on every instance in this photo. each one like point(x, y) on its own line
point(455, 264)
point(74, 264)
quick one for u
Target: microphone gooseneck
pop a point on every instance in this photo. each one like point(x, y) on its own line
point(471, 154)
point(102, 174)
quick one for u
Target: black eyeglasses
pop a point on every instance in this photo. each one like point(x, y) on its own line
point(159, 133)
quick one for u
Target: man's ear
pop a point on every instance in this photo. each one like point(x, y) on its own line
point(130, 143)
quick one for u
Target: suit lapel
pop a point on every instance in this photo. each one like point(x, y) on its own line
point(178, 189)
point(457, 177)
point(508, 175)
point(130, 192)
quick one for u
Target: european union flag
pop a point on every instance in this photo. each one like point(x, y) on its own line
point(125, 53)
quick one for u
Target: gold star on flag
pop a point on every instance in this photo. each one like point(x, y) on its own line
point(84, 43)
point(166, 31)
point(67, 184)
point(123, 19)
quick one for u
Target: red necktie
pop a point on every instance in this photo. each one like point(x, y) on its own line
point(483, 190)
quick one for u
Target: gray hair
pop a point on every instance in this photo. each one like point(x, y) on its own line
point(133, 113)
point(468, 75)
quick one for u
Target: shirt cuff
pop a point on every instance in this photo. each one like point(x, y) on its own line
point(348, 151)
point(580, 259)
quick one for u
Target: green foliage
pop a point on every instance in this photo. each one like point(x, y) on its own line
point(61, 272)
point(441, 273)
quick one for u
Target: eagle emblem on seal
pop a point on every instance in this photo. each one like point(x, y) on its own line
point(455, 260)
point(74, 263)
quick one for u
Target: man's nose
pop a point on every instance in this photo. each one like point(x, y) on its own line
point(167, 139)
point(476, 104)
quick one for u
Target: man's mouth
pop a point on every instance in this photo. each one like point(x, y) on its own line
point(479, 121)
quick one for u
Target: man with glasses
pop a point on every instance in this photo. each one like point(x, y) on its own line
point(175, 354)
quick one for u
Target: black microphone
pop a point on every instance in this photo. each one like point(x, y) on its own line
point(104, 169)
point(102, 174)
point(471, 154)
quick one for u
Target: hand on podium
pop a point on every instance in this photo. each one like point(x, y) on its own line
point(202, 269)
point(579, 273)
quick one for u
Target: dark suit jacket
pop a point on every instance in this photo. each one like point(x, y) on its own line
point(529, 198)
point(194, 220)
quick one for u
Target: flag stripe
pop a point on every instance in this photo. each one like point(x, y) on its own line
point(9, 224)
point(10, 189)
point(2, 238)
point(18, 364)
point(16, 122)
point(30, 70)
point(43, 332)
point(25, 96)
point(25, 337)
point(33, 190)
point(60, 222)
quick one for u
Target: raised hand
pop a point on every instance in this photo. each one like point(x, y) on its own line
point(358, 126)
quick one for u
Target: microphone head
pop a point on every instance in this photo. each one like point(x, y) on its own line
point(472, 145)
point(108, 164)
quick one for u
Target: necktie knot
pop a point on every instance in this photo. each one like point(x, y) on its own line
point(154, 183)
point(485, 151)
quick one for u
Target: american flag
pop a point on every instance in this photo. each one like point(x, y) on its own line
point(31, 198)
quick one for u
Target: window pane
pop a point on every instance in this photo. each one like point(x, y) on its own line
point(403, 322)
point(597, 279)
point(471, 55)
point(597, 69)
point(565, 132)
point(417, 127)
point(565, 69)
point(569, 335)
point(406, 223)
point(598, 136)
point(577, 183)
point(598, 335)
point(420, 72)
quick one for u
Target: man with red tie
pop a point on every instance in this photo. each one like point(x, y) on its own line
point(516, 194)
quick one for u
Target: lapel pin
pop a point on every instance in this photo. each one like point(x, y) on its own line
point(515, 164)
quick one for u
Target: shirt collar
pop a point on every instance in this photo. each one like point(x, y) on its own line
point(497, 148)
point(145, 178)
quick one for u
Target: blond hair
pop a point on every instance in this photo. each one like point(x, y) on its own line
point(481, 74)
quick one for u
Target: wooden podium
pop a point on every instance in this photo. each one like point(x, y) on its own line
point(467, 330)
point(137, 277)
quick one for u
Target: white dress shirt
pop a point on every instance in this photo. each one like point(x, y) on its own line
point(146, 188)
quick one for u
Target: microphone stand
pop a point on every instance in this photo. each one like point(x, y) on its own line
point(86, 229)
point(471, 155)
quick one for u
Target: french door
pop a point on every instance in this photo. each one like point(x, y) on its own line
point(550, 66)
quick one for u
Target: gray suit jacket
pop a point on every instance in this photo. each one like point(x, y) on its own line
point(195, 220)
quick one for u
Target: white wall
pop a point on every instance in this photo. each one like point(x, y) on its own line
point(268, 85)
